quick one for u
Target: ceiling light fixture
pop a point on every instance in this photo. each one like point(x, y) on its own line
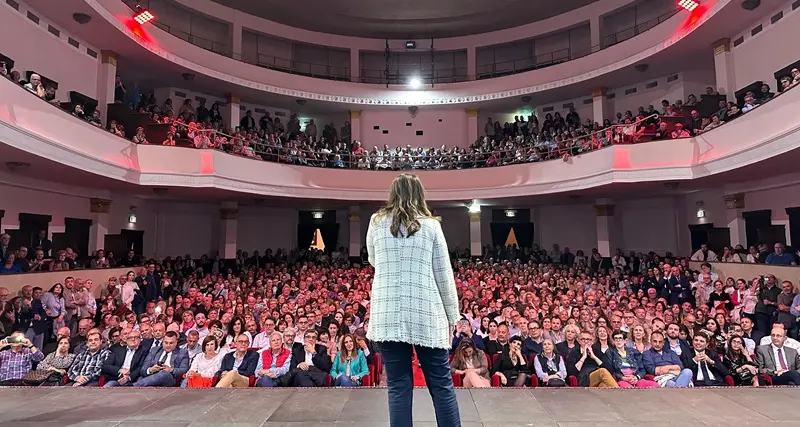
point(143, 16)
point(414, 83)
point(689, 5)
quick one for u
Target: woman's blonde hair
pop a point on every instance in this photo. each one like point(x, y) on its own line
point(406, 205)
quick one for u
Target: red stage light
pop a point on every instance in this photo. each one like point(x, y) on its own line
point(689, 5)
point(143, 16)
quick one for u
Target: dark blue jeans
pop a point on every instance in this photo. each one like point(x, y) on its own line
point(400, 380)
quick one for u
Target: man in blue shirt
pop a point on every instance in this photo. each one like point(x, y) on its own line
point(660, 361)
point(779, 257)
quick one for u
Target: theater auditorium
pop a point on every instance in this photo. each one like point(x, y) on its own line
point(187, 186)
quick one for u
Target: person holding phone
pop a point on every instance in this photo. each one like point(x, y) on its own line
point(16, 356)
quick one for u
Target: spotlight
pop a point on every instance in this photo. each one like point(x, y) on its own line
point(689, 5)
point(474, 207)
point(143, 16)
point(414, 83)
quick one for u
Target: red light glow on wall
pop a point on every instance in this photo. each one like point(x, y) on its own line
point(143, 16)
point(689, 5)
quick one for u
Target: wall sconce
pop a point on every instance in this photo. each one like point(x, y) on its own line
point(132, 215)
point(317, 215)
point(511, 213)
point(701, 213)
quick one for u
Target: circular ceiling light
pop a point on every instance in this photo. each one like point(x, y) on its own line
point(81, 18)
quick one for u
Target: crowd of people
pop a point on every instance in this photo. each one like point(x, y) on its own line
point(299, 318)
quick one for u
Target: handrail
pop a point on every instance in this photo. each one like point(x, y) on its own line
point(573, 146)
point(369, 76)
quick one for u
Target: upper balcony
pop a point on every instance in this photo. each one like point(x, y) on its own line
point(565, 50)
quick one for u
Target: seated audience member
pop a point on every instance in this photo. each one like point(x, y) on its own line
point(471, 364)
point(238, 366)
point(780, 256)
point(192, 345)
point(680, 132)
point(274, 362)
point(35, 86)
point(59, 360)
point(673, 340)
point(550, 366)
point(86, 368)
point(501, 343)
point(263, 338)
point(778, 361)
point(571, 334)
point(465, 331)
point(706, 365)
point(123, 365)
point(17, 354)
point(591, 370)
point(788, 341)
point(205, 365)
point(738, 361)
point(165, 365)
point(511, 366)
point(310, 362)
point(626, 363)
point(349, 364)
point(664, 364)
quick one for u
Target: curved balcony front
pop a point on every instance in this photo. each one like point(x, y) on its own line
point(35, 127)
point(588, 68)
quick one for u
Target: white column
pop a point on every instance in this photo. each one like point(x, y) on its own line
point(600, 108)
point(106, 81)
point(595, 26)
point(604, 211)
point(228, 229)
point(355, 126)
point(472, 63)
point(355, 64)
point(472, 124)
point(723, 67)
point(354, 216)
point(231, 112)
point(99, 209)
point(475, 242)
point(236, 40)
point(734, 206)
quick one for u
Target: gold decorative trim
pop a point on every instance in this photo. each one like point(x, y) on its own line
point(472, 112)
point(604, 210)
point(734, 201)
point(233, 99)
point(601, 91)
point(354, 217)
point(109, 57)
point(355, 114)
point(474, 216)
point(102, 206)
point(721, 46)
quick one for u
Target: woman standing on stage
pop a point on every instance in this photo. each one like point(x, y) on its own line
point(414, 301)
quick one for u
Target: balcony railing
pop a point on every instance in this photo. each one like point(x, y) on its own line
point(401, 76)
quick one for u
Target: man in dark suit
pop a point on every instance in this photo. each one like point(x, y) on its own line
point(674, 341)
point(310, 362)
point(41, 241)
point(680, 290)
point(781, 363)
point(238, 366)
point(165, 366)
point(152, 282)
point(124, 363)
point(707, 368)
point(748, 330)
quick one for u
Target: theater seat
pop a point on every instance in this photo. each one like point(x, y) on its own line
point(102, 380)
point(572, 381)
point(729, 380)
point(329, 381)
point(457, 380)
point(765, 379)
point(366, 381)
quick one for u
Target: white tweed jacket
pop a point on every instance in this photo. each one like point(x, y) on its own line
point(414, 297)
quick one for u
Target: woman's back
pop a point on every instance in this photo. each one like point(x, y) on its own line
point(414, 296)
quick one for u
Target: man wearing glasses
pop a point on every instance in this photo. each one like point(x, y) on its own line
point(591, 368)
point(238, 366)
point(310, 362)
point(124, 362)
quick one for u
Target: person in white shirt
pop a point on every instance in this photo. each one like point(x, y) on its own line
point(705, 254)
point(192, 345)
point(262, 339)
point(200, 325)
point(789, 342)
point(207, 363)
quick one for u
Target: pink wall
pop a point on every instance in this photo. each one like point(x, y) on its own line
point(439, 126)
point(35, 49)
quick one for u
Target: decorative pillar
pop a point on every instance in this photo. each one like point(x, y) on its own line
point(472, 63)
point(236, 40)
point(99, 208)
point(472, 124)
point(355, 125)
point(475, 243)
point(595, 29)
point(106, 81)
point(231, 112)
point(604, 211)
point(600, 109)
point(723, 67)
point(228, 229)
point(734, 206)
point(355, 65)
point(354, 216)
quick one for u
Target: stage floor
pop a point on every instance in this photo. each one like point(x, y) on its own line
point(740, 407)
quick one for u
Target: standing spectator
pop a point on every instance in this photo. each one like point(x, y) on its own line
point(778, 361)
point(247, 123)
point(42, 242)
point(16, 356)
point(785, 301)
point(5, 240)
point(767, 304)
point(119, 91)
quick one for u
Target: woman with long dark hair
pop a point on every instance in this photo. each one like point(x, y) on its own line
point(414, 301)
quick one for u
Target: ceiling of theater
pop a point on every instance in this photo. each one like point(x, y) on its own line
point(405, 18)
